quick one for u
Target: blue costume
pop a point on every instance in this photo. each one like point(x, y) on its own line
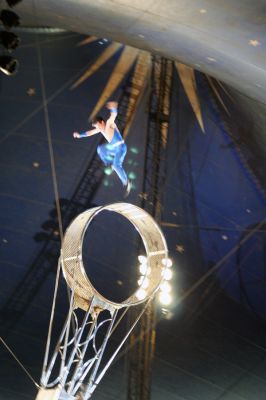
point(114, 153)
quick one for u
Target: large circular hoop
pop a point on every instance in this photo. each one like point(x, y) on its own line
point(72, 262)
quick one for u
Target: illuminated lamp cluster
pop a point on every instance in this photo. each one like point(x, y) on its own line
point(143, 281)
point(165, 296)
point(165, 289)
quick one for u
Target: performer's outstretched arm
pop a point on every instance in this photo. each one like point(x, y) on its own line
point(78, 135)
point(112, 107)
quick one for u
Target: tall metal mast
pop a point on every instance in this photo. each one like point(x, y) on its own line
point(142, 340)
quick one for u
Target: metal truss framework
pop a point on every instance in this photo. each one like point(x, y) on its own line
point(142, 340)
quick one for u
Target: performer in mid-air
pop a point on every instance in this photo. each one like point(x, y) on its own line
point(113, 152)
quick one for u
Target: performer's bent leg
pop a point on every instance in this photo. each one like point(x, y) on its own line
point(118, 161)
point(104, 154)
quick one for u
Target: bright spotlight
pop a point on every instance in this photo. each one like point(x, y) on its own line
point(8, 65)
point(167, 262)
point(9, 40)
point(141, 294)
point(165, 287)
point(165, 298)
point(144, 269)
point(143, 282)
point(142, 259)
point(9, 18)
point(167, 274)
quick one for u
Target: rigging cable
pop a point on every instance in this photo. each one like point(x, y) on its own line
point(57, 201)
point(21, 365)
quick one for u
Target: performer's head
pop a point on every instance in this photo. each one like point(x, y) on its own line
point(98, 122)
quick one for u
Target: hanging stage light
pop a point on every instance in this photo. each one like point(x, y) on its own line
point(167, 274)
point(167, 262)
point(9, 40)
point(8, 65)
point(165, 298)
point(9, 18)
point(142, 259)
point(13, 3)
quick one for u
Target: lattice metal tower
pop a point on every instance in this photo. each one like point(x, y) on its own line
point(142, 340)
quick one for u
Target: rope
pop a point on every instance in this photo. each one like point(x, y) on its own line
point(50, 144)
point(55, 187)
point(57, 202)
point(48, 341)
point(21, 365)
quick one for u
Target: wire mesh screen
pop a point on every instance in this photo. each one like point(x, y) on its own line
point(72, 262)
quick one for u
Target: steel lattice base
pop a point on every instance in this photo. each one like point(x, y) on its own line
point(80, 347)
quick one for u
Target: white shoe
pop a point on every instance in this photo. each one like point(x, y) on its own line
point(128, 188)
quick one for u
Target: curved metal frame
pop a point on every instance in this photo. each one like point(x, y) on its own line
point(72, 262)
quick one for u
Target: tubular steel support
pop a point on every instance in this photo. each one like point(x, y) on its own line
point(75, 369)
point(78, 356)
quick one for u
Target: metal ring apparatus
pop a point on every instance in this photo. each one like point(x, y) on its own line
point(72, 262)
